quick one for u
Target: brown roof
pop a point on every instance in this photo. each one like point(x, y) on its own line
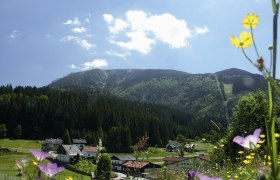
point(90, 149)
point(175, 159)
point(135, 164)
point(205, 158)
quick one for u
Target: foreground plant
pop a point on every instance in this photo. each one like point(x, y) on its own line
point(246, 40)
point(51, 169)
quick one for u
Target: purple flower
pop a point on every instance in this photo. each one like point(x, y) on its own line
point(191, 175)
point(39, 155)
point(204, 177)
point(249, 141)
point(50, 169)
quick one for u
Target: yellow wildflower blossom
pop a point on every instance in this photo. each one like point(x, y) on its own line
point(252, 154)
point(240, 152)
point(249, 157)
point(236, 176)
point(222, 145)
point(35, 163)
point(258, 146)
point(261, 141)
point(245, 40)
point(277, 135)
point(250, 21)
point(69, 178)
point(215, 147)
point(262, 136)
point(246, 161)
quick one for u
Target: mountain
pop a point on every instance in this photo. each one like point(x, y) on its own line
point(198, 94)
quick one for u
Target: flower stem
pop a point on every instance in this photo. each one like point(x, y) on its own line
point(256, 49)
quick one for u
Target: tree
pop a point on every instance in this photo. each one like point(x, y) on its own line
point(3, 130)
point(182, 140)
point(250, 113)
point(104, 167)
point(18, 131)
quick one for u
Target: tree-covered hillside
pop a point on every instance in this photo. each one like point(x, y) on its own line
point(40, 113)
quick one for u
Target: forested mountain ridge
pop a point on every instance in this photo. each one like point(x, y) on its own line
point(198, 94)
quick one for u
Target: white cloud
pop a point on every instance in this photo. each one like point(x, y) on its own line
point(73, 66)
point(96, 63)
point(15, 34)
point(201, 30)
point(119, 26)
point(123, 54)
point(108, 18)
point(144, 30)
point(75, 21)
point(79, 29)
point(87, 20)
point(82, 42)
point(138, 41)
point(85, 44)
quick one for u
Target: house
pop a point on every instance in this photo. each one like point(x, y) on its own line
point(173, 146)
point(189, 147)
point(178, 163)
point(117, 162)
point(68, 153)
point(186, 163)
point(79, 142)
point(52, 143)
point(137, 168)
point(89, 151)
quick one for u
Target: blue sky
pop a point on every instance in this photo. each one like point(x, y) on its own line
point(42, 40)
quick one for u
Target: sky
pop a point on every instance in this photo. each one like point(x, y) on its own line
point(43, 40)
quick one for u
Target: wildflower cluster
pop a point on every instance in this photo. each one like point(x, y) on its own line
point(50, 169)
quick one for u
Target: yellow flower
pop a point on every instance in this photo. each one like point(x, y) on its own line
point(258, 146)
point(250, 21)
point(277, 135)
point(69, 178)
point(240, 152)
point(35, 163)
point(261, 141)
point(236, 176)
point(222, 145)
point(245, 40)
point(262, 136)
point(252, 154)
point(249, 157)
point(203, 139)
point(246, 161)
point(215, 147)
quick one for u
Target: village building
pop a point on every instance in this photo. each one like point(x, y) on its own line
point(52, 143)
point(186, 163)
point(172, 146)
point(80, 143)
point(140, 169)
point(68, 153)
point(118, 161)
point(89, 151)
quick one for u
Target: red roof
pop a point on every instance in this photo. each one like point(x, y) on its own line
point(205, 158)
point(135, 164)
point(90, 149)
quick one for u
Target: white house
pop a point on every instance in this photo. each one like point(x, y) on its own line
point(68, 153)
point(80, 143)
point(89, 151)
point(186, 163)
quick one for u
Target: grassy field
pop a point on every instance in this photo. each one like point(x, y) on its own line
point(22, 147)
point(228, 90)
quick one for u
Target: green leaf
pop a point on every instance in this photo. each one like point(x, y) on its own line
point(273, 6)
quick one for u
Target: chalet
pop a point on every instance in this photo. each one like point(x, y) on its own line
point(68, 153)
point(89, 151)
point(52, 143)
point(137, 168)
point(173, 146)
point(187, 163)
point(79, 142)
point(178, 163)
point(117, 162)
